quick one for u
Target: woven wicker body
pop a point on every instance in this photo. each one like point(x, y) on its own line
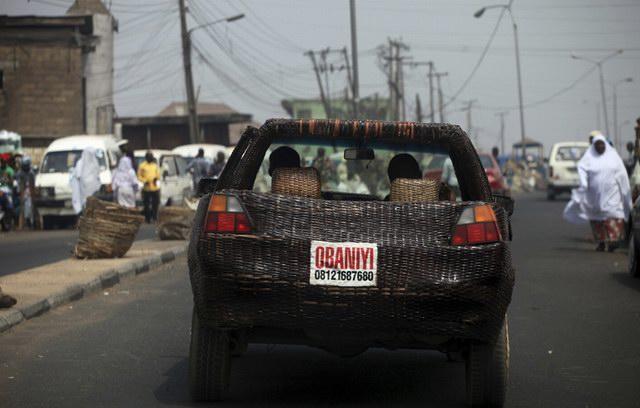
point(414, 190)
point(174, 222)
point(107, 230)
point(425, 286)
point(299, 182)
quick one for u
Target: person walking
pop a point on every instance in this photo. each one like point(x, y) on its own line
point(26, 186)
point(125, 183)
point(216, 168)
point(603, 197)
point(85, 179)
point(149, 175)
point(199, 168)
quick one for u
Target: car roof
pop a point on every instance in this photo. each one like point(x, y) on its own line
point(156, 152)
point(210, 150)
point(563, 144)
point(79, 142)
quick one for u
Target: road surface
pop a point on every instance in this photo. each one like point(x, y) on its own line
point(574, 324)
point(27, 249)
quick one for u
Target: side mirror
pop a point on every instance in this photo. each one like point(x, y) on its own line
point(505, 202)
point(365, 153)
point(206, 185)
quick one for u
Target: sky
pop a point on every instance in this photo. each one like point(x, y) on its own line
point(253, 63)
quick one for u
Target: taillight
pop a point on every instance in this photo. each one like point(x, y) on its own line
point(477, 225)
point(226, 215)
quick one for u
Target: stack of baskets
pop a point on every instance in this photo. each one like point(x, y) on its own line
point(414, 190)
point(175, 222)
point(107, 230)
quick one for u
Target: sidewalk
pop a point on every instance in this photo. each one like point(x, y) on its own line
point(46, 287)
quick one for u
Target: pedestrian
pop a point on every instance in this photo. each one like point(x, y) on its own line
point(603, 197)
point(125, 183)
point(85, 179)
point(149, 175)
point(26, 181)
point(6, 300)
point(448, 176)
point(6, 173)
point(199, 168)
point(218, 165)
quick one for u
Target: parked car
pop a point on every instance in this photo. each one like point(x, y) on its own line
point(562, 169)
point(344, 270)
point(52, 180)
point(176, 183)
point(496, 180)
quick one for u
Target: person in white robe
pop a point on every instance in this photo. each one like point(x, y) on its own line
point(85, 179)
point(603, 197)
point(125, 183)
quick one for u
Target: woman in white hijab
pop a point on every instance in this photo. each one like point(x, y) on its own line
point(604, 195)
point(85, 179)
point(125, 183)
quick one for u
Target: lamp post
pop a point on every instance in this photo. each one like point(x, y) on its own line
point(603, 95)
point(194, 126)
point(616, 137)
point(507, 7)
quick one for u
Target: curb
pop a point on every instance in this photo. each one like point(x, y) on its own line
point(19, 313)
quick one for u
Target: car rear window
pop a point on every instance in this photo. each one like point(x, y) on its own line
point(570, 153)
point(62, 161)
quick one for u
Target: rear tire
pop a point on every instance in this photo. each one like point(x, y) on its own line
point(487, 371)
point(634, 265)
point(209, 362)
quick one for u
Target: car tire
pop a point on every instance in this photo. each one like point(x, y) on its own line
point(634, 265)
point(209, 362)
point(487, 371)
point(551, 194)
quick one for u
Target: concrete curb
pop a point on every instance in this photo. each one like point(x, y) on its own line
point(110, 277)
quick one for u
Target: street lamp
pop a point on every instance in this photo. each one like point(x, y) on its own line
point(222, 20)
point(616, 138)
point(599, 63)
point(507, 7)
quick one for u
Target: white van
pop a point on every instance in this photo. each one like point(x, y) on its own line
point(562, 173)
point(52, 180)
point(175, 184)
point(210, 151)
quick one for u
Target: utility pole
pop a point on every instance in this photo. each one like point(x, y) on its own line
point(396, 79)
point(468, 108)
point(502, 115)
point(327, 107)
point(354, 102)
point(392, 86)
point(194, 127)
point(431, 101)
point(418, 109)
point(355, 88)
point(439, 75)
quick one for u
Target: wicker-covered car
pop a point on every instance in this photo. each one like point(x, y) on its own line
point(334, 255)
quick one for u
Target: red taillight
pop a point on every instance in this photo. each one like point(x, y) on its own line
point(226, 215)
point(477, 225)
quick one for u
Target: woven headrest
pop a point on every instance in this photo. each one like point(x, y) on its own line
point(296, 181)
point(414, 190)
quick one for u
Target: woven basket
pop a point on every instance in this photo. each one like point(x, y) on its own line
point(297, 182)
point(175, 222)
point(107, 230)
point(414, 190)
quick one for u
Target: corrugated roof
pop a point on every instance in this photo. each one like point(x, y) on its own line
point(203, 108)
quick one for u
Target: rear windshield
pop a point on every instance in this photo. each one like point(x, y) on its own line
point(362, 177)
point(570, 153)
point(64, 161)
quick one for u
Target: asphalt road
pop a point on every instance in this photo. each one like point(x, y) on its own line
point(20, 250)
point(574, 325)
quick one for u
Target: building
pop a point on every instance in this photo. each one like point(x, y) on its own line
point(219, 124)
point(371, 107)
point(56, 73)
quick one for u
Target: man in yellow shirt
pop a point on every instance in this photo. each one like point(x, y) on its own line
point(149, 175)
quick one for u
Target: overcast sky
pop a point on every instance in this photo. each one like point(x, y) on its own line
point(253, 63)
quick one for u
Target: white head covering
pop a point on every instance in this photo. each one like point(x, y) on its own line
point(85, 178)
point(604, 184)
point(124, 176)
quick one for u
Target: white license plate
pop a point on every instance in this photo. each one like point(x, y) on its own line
point(343, 264)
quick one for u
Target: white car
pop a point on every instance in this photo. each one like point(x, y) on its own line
point(562, 173)
point(210, 151)
point(175, 184)
point(52, 180)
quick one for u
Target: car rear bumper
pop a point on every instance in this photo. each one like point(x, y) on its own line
point(454, 292)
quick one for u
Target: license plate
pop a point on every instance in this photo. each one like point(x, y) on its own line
point(348, 264)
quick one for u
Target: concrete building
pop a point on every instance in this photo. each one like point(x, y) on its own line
point(219, 124)
point(56, 73)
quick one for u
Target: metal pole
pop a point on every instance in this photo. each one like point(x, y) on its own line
point(502, 131)
point(604, 100)
point(194, 127)
point(354, 57)
point(327, 109)
point(433, 110)
point(616, 136)
point(520, 103)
